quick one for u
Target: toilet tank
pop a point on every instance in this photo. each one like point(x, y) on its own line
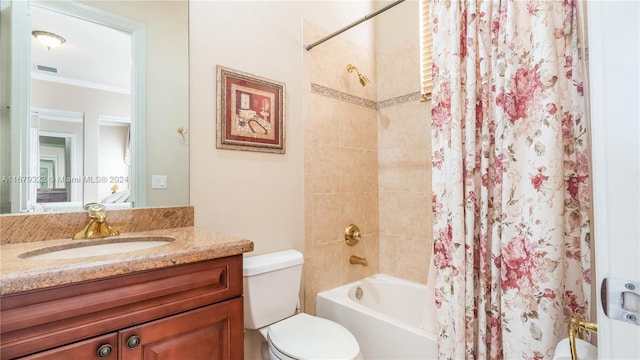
point(271, 287)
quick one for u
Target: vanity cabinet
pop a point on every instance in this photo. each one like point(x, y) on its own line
point(190, 311)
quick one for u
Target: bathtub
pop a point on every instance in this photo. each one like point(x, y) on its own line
point(387, 320)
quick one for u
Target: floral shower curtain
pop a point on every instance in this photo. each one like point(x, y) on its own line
point(511, 191)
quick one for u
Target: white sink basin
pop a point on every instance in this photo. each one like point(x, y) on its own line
point(98, 247)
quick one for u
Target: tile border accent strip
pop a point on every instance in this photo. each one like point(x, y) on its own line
point(332, 93)
point(339, 95)
point(415, 96)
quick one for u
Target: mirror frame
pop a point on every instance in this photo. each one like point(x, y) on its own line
point(21, 197)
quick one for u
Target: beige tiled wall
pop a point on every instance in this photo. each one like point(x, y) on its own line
point(341, 165)
point(405, 193)
point(367, 161)
point(404, 155)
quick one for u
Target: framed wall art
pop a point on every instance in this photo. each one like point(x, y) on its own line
point(251, 111)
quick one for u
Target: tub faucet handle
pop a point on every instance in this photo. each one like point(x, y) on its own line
point(352, 234)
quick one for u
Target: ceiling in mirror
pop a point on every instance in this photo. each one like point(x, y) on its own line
point(86, 58)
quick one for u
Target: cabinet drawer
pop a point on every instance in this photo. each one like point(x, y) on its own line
point(43, 319)
point(85, 350)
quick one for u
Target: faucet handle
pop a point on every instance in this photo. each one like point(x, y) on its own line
point(95, 209)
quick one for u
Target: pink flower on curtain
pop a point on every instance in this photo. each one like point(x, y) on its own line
point(440, 115)
point(582, 163)
point(519, 266)
point(495, 28)
point(580, 88)
point(567, 126)
point(480, 115)
point(573, 306)
point(516, 103)
point(568, 66)
point(508, 103)
point(437, 159)
point(527, 82)
point(569, 14)
point(463, 35)
point(500, 165)
point(573, 250)
point(496, 330)
point(436, 206)
point(485, 179)
point(574, 183)
point(434, 28)
point(532, 7)
point(539, 178)
point(549, 294)
point(441, 248)
point(445, 95)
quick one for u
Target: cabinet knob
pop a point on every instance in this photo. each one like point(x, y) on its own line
point(104, 351)
point(133, 342)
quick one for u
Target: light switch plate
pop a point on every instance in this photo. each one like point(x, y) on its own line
point(158, 181)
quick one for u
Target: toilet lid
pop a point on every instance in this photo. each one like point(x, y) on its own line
point(308, 337)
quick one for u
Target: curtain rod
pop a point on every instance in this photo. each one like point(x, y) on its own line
point(367, 17)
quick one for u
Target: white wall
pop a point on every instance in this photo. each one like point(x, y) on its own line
point(258, 196)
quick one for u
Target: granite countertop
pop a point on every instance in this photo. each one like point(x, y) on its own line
point(190, 245)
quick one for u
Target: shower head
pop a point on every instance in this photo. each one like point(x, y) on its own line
point(363, 79)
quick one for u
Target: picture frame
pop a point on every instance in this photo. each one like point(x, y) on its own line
point(250, 112)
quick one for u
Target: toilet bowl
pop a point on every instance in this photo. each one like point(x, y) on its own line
point(584, 350)
point(304, 336)
point(271, 286)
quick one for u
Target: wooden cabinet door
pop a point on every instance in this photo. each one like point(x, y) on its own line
point(208, 333)
point(98, 348)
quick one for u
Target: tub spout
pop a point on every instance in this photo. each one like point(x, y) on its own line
point(357, 260)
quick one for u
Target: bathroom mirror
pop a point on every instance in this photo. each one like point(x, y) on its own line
point(74, 131)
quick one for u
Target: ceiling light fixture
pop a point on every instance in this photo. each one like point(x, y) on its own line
point(48, 39)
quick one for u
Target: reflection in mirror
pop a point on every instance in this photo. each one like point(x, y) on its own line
point(57, 136)
point(53, 171)
point(90, 78)
point(115, 160)
point(158, 106)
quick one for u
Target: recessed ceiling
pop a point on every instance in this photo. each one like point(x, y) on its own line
point(93, 55)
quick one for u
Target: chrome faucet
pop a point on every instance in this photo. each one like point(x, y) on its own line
point(357, 260)
point(97, 226)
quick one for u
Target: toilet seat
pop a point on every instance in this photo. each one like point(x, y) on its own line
point(308, 337)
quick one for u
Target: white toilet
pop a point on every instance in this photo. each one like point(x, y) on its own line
point(271, 286)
